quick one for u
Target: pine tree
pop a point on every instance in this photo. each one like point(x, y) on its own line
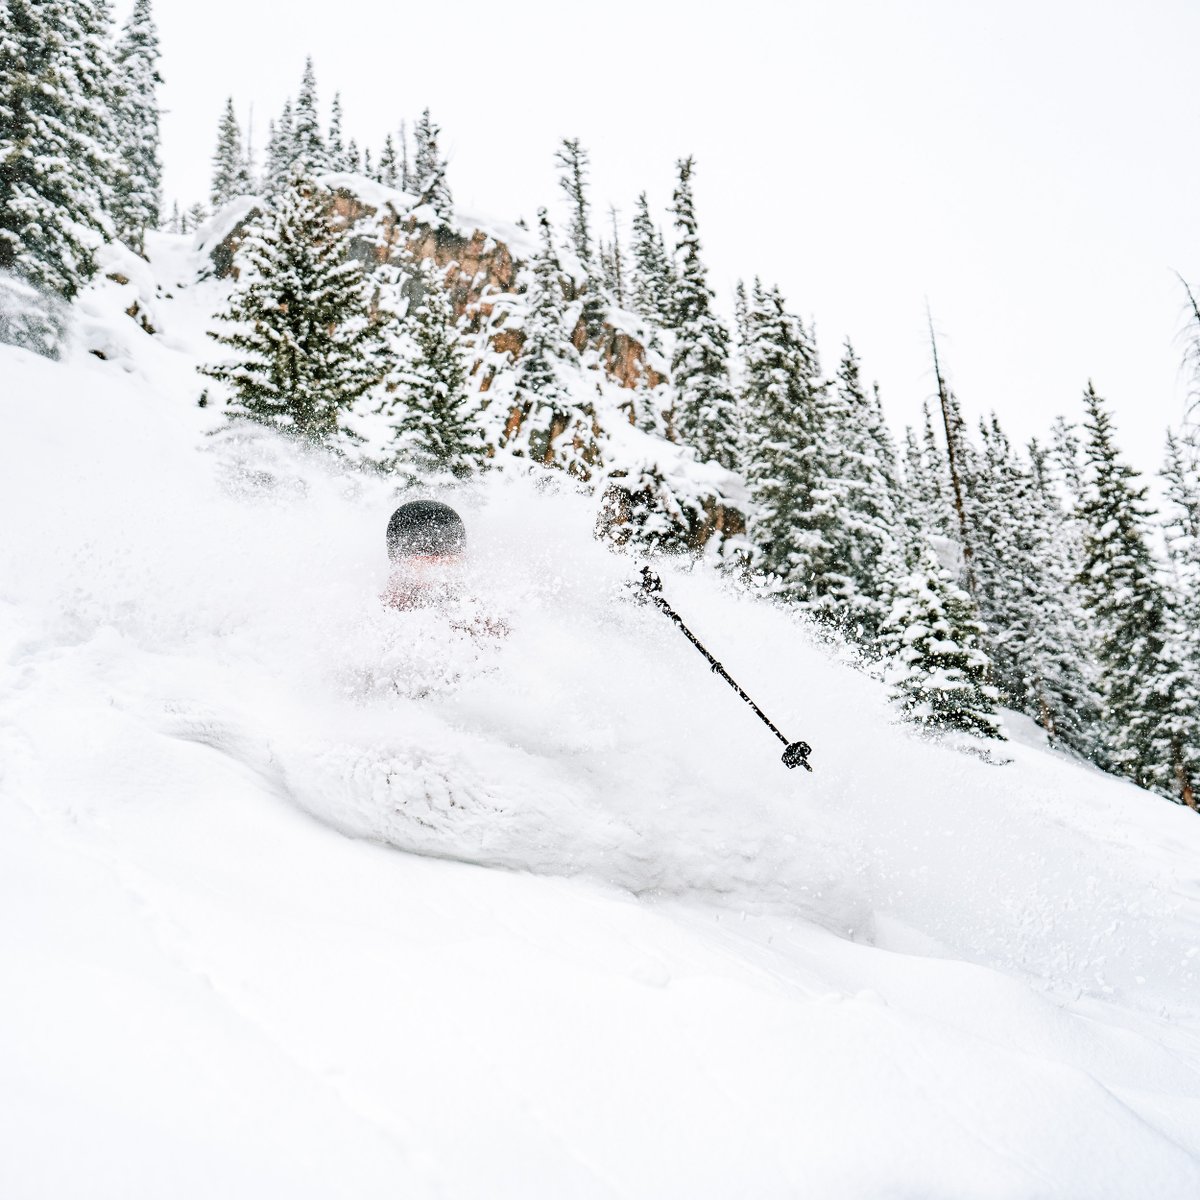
point(926, 483)
point(1150, 721)
point(435, 429)
point(405, 173)
point(195, 217)
point(549, 426)
point(612, 263)
point(999, 525)
point(389, 165)
point(56, 141)
point(867, 533)
point(281, 152)
point(309, 155)
point(937, 670)
point(354, 163)
point(231, 174)
point(653, 281)
point(430, 170)
point(1181, 475)
point(138, 191)
point(339, 158)
point(1026, 594)
point(299, 320)
point(1066, 455)
point(1051, 641)
point(572, 160)
point(789, 524)
point(705, 409)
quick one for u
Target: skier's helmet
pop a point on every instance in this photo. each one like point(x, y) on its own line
point(425, 529)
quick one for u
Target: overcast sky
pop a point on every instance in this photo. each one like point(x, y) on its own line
point(1029, 168)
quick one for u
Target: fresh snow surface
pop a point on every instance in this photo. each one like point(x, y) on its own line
point(300, 897)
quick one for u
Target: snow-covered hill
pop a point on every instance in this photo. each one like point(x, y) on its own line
point(254, 938)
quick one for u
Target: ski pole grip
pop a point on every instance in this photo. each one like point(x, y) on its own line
point(651, 583)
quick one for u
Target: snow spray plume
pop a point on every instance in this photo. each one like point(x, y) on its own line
point(795, 754)
point(31, 318)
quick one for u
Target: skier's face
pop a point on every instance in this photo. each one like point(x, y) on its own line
point(430, 568)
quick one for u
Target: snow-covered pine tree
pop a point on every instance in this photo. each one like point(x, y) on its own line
point(1181, 475)
point(309, 154)
point(999, 524)
point(1150, 724)
point(354, 162)
point(926, 484)
point(137, 196)
point(57, 141)
point(612, 263)
point(405, 171)
point(281, 153)
point(335, 147)
point(430, 170)
point(652, 285)
point(790, 523)
point(549, 425)
point(741, 310)
point(1026, 591)
point(1067, 457)
point(389, 164)
point(867, 534)
point(298, 319)
point(195, 216)
point(572, 161)
point(436, 428)
point(937, 669)
point(231, 172)
point(1050, 640)
point(705, 405)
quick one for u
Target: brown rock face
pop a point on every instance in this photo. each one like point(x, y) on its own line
point(480, 273)
point(624, 360)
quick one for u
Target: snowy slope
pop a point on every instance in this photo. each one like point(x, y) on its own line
point(698, 974)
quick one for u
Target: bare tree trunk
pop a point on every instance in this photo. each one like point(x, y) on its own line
point(1187, 790)
point(952, 423)
point(1046, 715)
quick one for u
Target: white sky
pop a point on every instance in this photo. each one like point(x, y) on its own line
point(1031, 168)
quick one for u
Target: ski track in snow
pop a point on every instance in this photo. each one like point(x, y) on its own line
point(700, 974)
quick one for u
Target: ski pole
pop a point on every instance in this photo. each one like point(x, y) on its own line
point(795, 753)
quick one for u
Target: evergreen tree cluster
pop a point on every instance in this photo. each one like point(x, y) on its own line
point(79, 138)
point(300, 147)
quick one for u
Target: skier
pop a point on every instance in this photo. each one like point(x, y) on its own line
point(426, 541)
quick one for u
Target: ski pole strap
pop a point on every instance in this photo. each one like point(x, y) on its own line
point(796, 753)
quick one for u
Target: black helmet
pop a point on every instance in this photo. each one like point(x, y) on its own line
point(425, 527)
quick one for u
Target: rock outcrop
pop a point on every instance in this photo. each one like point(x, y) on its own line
point(480, 270)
